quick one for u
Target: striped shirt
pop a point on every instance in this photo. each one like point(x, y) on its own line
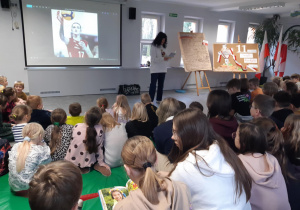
point(17, 131)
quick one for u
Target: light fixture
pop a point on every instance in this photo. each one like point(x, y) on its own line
point(262, 6)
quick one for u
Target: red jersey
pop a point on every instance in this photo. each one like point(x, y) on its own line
point(75, 50)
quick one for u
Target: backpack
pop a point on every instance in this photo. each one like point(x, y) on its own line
point(4, 148)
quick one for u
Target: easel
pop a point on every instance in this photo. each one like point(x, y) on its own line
point(239, 73)
point(202, 86)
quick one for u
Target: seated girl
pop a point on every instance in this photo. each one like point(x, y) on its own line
point(203, 161)
point(115, 137)
point(25, 158)
point(59, 134)
point(154, 192)
point(85, 149)
point(219, 106)
point(291, 133)
point(121, 109)
point(5, 128)
point(11, 96)
point(102, 103)
point(139, 124)
point(267, 180)
point(20, 115)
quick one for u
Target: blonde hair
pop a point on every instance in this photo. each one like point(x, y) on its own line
point(2, 79)
point(34, 101)
point(19, 112)
point(102, 103)
point(19, 83)
point(139, 112)
point(167, 108)
point(34, 131)
point(139, 154)
point(122, 104)
point(291, 132)
point(145, 98)
point(108, 122)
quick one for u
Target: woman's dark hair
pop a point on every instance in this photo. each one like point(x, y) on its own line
point(3, 100)
point(92, 118)
point(219, 104)
point(159, 37)
point(195, 133)
point(275, 141)
point(58, 118)
point(252, 138)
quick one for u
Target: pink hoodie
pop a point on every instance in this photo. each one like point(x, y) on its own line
point(268, 186)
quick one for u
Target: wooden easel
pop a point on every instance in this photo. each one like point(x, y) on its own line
point(202, 86)
point(239, 75)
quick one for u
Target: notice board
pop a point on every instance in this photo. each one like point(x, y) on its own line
point(238, 57)
point(194, 52)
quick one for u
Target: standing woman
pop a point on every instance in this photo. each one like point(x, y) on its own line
point(158, 68)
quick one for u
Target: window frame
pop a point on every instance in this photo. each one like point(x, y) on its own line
point(253, 25)
point(231, 28)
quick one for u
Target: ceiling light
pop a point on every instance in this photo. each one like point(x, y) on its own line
point(262, 6)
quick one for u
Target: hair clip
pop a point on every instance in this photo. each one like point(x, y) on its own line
point(26, 138)
point(56, 123)
point(13, 115)
point(102, 105)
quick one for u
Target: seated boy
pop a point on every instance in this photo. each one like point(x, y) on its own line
point(196, 105)
point(270, 88)
point(151, 109)
point(254, 86)
point(262, 106)
point(282, 108)
point(74, 110)
point(57, 185)
point(38, 115)
point(296, 103)
point(239, 102)
point(19, 87)
point(3, 82)
point(296, 79)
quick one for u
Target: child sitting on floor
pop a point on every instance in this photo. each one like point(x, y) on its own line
point(59, 134)
point(20, 115)
point(86, 148)
point(38, 114)
point(196, 105)
point(254, 86)
point(151, 109)
point(62, 183)
point(25, 158)
point(270, 88)
point(262, 106)
point(296, 79)
point(3, 82)
point(115, 137)
point(75, 111)
point(19, 87)
point(239, 102)
point(5, 128)
point(102, 103)
point(121, 109)
point(10, 94)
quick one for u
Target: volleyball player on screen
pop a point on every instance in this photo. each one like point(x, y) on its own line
point(77, 47)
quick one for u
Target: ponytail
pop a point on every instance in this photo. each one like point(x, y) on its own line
point(23, 151)
point(92, 118)
point(55, 138)
point(139, 154)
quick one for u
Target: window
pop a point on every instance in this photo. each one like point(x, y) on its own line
point(150, 28)
point(251, 32)
point(225, 31)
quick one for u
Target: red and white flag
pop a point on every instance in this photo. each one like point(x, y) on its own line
point(280, 56)
point(264, 53)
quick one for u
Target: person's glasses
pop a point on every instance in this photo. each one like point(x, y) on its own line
point(233, 135)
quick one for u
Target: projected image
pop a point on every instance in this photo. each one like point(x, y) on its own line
point(75, 34)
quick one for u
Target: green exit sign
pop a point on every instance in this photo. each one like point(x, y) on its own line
point(173, 15)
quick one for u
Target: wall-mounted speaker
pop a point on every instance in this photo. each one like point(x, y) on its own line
point(5, 4)
point(132, 13)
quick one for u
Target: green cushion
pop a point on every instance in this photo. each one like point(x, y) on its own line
point(92, 182)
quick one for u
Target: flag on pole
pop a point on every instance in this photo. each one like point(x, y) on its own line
point(264, 53)
point(277, 56)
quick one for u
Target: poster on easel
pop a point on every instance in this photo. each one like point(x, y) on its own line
point(236, 58)
point(194, 52)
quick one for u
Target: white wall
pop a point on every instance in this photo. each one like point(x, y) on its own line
point(84, 80)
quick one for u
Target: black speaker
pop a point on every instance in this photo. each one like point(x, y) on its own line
point(132, 13)
point(5, 3)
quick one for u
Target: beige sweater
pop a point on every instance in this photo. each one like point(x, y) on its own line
point(177, 197)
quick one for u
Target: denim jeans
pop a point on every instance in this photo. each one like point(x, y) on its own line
point(160, 78)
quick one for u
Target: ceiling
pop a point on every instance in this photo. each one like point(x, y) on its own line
point(233, 5)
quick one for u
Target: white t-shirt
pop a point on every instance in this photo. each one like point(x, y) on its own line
point(158, 64)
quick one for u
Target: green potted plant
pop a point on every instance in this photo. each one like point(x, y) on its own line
point(272, 26)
